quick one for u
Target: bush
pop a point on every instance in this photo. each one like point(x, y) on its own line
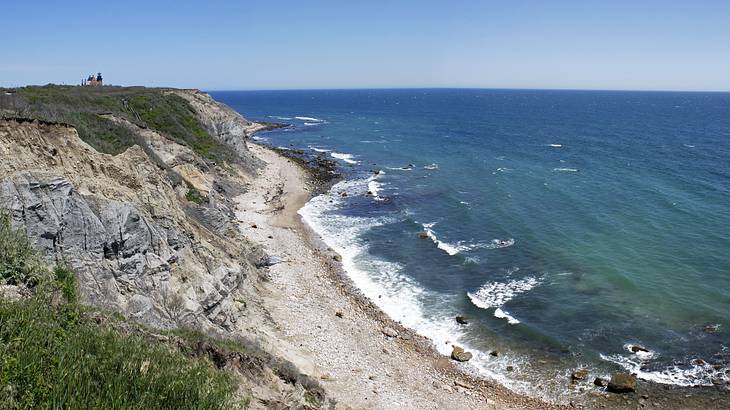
point(19, 263)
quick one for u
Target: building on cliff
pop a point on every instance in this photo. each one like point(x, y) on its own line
point(93, 81)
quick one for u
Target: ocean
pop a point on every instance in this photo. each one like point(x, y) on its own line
point(573, 229)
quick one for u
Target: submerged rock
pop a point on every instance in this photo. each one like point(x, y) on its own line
point(462, 320)
point(622, 383)
point(460, 355)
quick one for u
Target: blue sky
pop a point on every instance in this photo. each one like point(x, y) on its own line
point(214, 45)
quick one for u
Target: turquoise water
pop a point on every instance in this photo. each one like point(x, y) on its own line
point(567, 225)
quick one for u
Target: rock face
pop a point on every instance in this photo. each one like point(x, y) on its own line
point(121, 225)
point(622, 383)
point(223, 124)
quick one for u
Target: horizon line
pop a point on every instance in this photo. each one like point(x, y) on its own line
point(243, 89)
point(460, 88)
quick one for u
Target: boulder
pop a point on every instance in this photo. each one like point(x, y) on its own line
point(462, 320)
point(622, 383)
point(711, 328)
point(390, 332)
point(600, 381)
point(638, 348)
point(423, 235)
point(580, 374)
point(460, 355)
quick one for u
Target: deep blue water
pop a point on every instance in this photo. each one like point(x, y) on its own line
point(618, 204)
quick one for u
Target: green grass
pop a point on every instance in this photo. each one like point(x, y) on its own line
point(194, 195)
point(166, 113)
point(19, 263)
point(54, 356)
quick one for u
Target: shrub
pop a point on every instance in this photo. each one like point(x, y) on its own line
point(19, 263)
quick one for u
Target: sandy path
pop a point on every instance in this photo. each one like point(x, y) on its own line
point(357, 364)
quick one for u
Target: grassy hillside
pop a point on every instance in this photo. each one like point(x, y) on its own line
point(153, 108)
point(56, 354)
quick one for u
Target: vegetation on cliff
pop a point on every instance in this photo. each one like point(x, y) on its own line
point(54, 353)
point(82, 107)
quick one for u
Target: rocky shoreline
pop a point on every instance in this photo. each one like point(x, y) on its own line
point(448, 377)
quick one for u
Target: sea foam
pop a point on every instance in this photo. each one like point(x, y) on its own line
point(385, 283)
point(697, 373)
point(496, 294)
point(309, 119)
point(345, 157)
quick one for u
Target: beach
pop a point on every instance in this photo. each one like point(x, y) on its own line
point(324, 326)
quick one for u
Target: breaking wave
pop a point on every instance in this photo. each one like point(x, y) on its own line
point(696, 373)
point(496, 294)
point(344, 157)
point(309, 119)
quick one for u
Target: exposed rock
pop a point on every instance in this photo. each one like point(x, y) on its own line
point(460, 355)
point(461, 383)
point(120, 224)
point(423, 235)
point(339, 314)
point(494, 353)
point(580, 374)
point(638, 348)
point(337, 258)
point(223, 124)
point(390, 332)
point(462, 320)
point(711, 328)
point(600, 381)
point(622, 383)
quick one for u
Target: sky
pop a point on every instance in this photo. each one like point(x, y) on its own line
point(241, 45)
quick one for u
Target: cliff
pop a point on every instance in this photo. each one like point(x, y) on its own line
point(147, 225)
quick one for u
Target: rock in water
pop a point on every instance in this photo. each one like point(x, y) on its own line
point(638, 348)
point(711, 328)
point(423, 235)
point(622, 383)
point(460, 355)
point(580, 374)
point(462, 320)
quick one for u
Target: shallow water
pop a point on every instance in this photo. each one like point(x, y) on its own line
point(567, 225)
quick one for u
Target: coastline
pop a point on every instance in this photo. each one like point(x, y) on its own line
point(330, 329)
point(326, 326)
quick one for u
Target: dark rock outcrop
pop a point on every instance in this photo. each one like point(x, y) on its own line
point(622, 383)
